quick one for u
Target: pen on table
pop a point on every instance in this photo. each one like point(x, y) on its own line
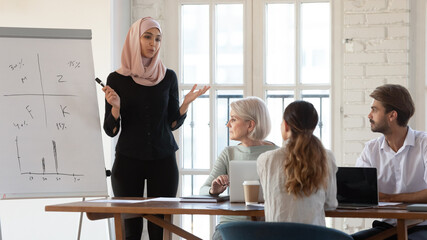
point(100, 82)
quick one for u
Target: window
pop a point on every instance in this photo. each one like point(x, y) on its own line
point(279, 51)
point(212, 52)
point(296, 59)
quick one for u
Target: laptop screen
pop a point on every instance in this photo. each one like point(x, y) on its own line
point(240, 171)
point(357, 185)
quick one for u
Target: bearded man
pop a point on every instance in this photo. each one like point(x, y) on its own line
point(400, 156)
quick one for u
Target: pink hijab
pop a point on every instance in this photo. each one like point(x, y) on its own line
point(133, 64)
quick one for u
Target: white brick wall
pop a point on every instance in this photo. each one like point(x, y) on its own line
point(389, 18)
point(398, 4)
point(145, 8)
point(364, 58)
point(354, 121)
point(379, 33)
point(363, 6)
point(380, 30)
point(398, 31)
point(363, 32)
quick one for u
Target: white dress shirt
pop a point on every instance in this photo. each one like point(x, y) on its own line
point(280, 206)
point(403, 171)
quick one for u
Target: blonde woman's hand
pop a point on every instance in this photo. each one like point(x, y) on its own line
point(219, 184)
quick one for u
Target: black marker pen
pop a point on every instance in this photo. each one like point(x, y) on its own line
point(100, 82)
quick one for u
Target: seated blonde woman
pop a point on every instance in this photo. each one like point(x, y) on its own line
point(250, 124)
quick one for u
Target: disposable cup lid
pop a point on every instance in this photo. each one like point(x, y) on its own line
point(251, 182)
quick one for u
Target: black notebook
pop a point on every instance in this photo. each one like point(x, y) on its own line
point(205, 198)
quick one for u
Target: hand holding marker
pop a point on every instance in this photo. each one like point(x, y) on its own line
point(100, 82)
point(111, 96)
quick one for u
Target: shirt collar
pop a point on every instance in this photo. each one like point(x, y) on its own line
point(409, 141)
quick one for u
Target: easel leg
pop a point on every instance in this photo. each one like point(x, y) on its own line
point(80, 223)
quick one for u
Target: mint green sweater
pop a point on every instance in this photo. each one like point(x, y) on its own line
point(221, 167)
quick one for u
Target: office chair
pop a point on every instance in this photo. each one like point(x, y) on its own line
point(279, 230)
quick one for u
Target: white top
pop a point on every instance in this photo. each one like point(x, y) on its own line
point(403, 171)
point(280, 206)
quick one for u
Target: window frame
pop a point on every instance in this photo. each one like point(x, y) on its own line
point(247, 73)
point(172, 52)
point(261, 88)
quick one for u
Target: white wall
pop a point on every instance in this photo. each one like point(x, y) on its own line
point(26, 219)
point(377, 52)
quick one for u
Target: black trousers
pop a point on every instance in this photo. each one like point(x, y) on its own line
point(414, 233)
point(127, 179)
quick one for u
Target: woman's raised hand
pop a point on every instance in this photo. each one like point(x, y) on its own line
point(189, 98)
point(192, 95)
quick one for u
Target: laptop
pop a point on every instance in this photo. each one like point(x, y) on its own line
point(357, 187)
point(240, 171)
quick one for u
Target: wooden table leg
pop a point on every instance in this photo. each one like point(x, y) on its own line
point(167, 235)
point(119, 226)
point(402, 233)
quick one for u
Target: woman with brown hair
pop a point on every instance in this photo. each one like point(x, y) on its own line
point(299, 178)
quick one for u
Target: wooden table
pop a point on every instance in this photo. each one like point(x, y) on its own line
point(148, 210)
point(120, 211)
point(403, 217)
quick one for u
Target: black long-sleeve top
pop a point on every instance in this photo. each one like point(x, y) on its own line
point(146, 116)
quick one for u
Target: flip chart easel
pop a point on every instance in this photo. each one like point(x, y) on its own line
point(51, 143)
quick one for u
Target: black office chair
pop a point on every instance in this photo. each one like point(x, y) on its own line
point(279, 230)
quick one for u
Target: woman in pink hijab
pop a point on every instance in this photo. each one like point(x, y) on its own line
point(142, 103)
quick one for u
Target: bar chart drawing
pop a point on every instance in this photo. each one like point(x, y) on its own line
point(43, 164)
